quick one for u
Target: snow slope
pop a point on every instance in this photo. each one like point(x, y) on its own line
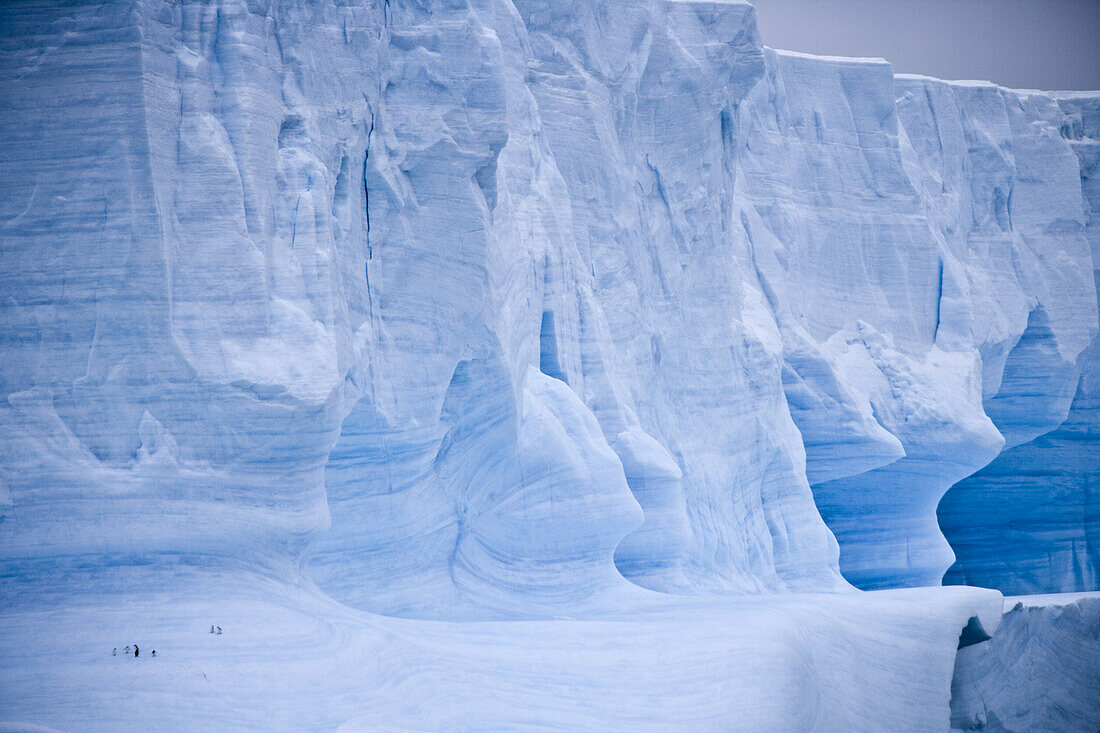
point(491, 363)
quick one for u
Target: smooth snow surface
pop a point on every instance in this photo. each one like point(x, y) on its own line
point(290, 659)
point(534, 364)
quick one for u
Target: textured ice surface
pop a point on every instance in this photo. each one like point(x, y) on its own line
point(1040, 672)
point(1030, 521)
point(476, 361)
point(923, 263)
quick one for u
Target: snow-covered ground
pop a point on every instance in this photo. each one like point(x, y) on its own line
point(291, 659)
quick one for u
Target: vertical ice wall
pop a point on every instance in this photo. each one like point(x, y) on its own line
point(1029, 522)
point(485, 306)
point(885, 394)
point(162, 395)
point(328, 260)
point(922, 258)
point(1040, 671)
point(604, 298)
point(639, 107)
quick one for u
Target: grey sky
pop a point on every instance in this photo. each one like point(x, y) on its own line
point(1027, 44)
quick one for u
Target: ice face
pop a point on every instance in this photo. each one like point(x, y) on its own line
point(677, 347)
point(1040, 671)
point(522, 311)
point(1027, 522)
point(755, 270)
point(914, 295)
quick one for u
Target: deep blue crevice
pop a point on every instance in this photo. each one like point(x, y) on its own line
point(549, 363)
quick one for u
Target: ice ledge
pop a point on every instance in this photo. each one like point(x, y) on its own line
point(1040, 671)
point(845, 60)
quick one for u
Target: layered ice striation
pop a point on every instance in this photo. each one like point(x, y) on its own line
point(1029, 522)
point(534, 310)
point(1039, 672)
point(923, 262)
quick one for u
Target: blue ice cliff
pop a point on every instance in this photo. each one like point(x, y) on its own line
point(536, 364)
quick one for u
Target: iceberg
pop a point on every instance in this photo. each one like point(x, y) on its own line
point(1039, 670)
point(529, 364)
